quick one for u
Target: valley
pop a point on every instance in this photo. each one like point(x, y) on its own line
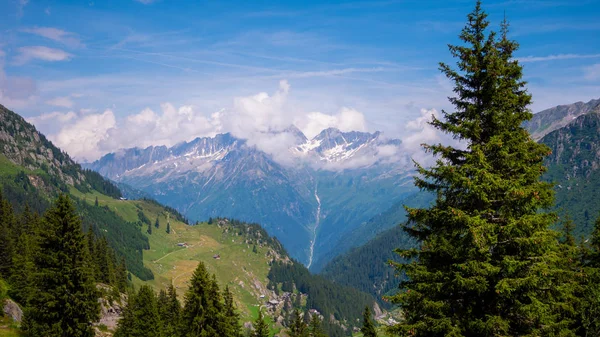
point(299, 169)
point(222, 176)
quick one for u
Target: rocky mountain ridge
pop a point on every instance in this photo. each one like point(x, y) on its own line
point(309, 201)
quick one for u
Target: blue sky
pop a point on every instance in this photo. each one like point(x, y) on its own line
point(100, 75)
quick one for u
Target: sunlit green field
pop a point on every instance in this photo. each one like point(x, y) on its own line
point(238, 267)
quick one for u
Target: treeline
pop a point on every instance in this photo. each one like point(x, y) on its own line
point(125, 238)
point(344, 303)
point(172, 211)
point(254, 233)
point(98, 183)
point(207, 311)
point(52, 268)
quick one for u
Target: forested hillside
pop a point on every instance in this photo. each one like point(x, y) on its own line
point(367, 267)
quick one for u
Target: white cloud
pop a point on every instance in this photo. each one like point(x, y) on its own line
point(64, 102)
point(261, 119)
point(55, 34)
point(145, 2)
point(54, 116)
point(168, 128)
point(81, 138)
point(345, 120)
point(53, 121)
point(27, 54)
point(592, 72)
point(557, 57)
point(419, 131)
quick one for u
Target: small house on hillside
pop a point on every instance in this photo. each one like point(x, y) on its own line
point(217, 257)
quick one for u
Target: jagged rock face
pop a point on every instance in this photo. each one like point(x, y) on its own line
point(12, 310)
point(555, 118)
point(223, 176)
point(22, 144)
point(577, 146)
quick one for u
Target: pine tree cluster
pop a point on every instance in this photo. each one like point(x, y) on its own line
point(52, 268)
point(206, 311)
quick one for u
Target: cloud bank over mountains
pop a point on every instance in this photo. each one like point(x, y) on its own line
point(263, 120)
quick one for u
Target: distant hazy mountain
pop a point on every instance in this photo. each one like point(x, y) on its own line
point(331, 186)
point(555, 118)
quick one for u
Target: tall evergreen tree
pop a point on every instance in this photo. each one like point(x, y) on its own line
point(168, 230)
point(298, 328)
point(64, 299)
point(233, 318)
point(121, 279)
point(149, 230)
point(169, 310)
point(487, 264)
point(140, 317)
point(590, 311)
point(368, 328)
point(203, 313)
point(21, 279)
point(7, 237)
point(156, 223)
point(261, 329)
point(315, 328)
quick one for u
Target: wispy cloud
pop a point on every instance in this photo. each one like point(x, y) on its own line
point(64, 102)
point(557, 57)
point(21, 7)
point(27, 54)
point(332, 72)
point(67, 38)
point(145, 2)
point(592, 72)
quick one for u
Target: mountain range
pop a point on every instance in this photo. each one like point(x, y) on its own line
point(155, 243)
point(326, 187)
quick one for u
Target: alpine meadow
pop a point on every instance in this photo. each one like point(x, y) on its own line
point(299, 168)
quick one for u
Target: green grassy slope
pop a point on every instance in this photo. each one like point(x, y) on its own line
point(244, 271)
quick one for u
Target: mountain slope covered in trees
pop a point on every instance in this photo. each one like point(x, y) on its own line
point(156, 243)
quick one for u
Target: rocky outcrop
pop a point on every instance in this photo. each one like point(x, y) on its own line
point(12, 310)
point(23, 145)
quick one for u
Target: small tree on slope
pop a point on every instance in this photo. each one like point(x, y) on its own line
point(368, 328)
point(487, 264)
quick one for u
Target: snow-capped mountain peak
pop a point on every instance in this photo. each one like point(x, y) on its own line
point(333, 145)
